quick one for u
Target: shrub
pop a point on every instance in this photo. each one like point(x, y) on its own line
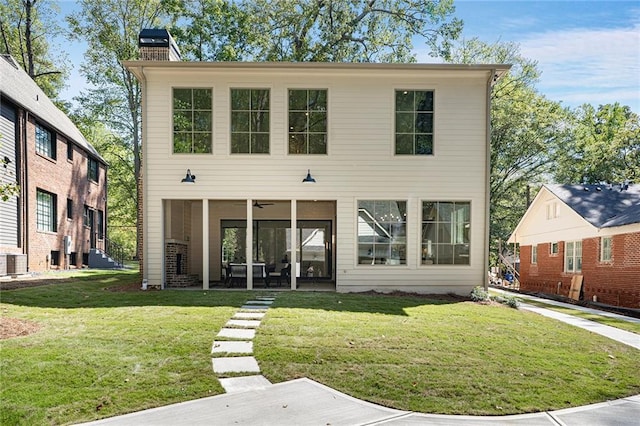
point(479, 294)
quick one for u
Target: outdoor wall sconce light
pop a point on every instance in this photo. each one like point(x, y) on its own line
point(308, 179)
point(189, 178)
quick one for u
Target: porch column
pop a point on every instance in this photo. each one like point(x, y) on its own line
point(205, 244)
point(294, 237)
point(249, 245)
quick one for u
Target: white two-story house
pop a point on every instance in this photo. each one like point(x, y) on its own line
point(377, 174)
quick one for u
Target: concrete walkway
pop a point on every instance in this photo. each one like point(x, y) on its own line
point(252, 400)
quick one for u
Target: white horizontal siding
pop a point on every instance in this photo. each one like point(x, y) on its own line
point(360, 163)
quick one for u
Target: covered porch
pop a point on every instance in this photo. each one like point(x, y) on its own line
point(205, 241)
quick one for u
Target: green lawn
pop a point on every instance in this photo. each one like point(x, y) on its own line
point(100, 352)
point(633, 327)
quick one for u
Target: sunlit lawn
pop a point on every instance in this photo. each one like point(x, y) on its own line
point(100, 353)
point(633, 327)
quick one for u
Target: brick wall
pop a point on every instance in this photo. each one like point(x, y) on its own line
point(67, 179)
point(176, 263)
point(614, 283)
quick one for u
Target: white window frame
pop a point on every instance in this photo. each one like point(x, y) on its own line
point(534, 254)
point(606, 250)
point(553, 252)
point(573, 255)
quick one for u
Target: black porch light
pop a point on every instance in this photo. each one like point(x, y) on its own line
point(309, 178)
point(189, 178)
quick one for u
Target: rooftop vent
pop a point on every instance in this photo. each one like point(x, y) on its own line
point(157, 45)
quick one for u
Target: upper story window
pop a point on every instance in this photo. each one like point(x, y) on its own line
point(307, 121)
point(46, 205)
point(69, 208)
point(414, 122)
point(606, 244)
point(573, 256)
point(553, 210)
point(192, 121)
point(249, 121)
point(69, 151)
point(45, 142)
point(382, 232)
point(93, 170)
point(446, 229)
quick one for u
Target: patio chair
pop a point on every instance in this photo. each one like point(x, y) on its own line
point(238, 274)
point(259, 273)
point(285, 272)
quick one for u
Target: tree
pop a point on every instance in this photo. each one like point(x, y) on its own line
point(122, 199)
point(215, 30)
point(25, 26)
point(605, 146)
point(525, 129)
point(111, 29)
point(8, 185)
point(319, 30)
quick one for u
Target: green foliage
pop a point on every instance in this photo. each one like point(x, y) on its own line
point(322, 31)
point(510, 301)
point(121, 199)
point(25, 27)
point(479, 294)
point(525, 128)
point(605, 146)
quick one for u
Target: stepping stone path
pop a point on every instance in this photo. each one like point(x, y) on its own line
point(233, 346)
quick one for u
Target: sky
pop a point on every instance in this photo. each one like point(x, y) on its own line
point(588, 51)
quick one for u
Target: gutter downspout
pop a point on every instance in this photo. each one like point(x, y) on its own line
point(24, 186)
point(487, 197)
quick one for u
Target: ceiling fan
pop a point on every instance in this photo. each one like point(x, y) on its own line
point(261, 205)
point(257, 204)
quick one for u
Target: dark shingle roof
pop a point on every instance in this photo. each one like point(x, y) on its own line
point(603, 206)
point(16, 85)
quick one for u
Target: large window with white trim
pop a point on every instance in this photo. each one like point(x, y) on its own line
point(249, 121)
point(573, 256)
point(307, 121)
point(414, 122)
point(382, 232)
point(192, 120)
point(446, 232)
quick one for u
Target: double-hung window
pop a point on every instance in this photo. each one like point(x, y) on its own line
point(534, 254)
point(46, 211)
point(605, 249)
point(249, 121)
point(382, 232)
point(307, 121)
point(446, 229)
point(192, 121)
point(93, 169)
point(45, 142)
point(573, 256)
point(414, 122)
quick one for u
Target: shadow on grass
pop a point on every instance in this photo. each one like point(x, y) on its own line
point(106, 289)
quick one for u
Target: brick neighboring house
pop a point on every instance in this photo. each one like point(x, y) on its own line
point(588, 230)
point(62, 178)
